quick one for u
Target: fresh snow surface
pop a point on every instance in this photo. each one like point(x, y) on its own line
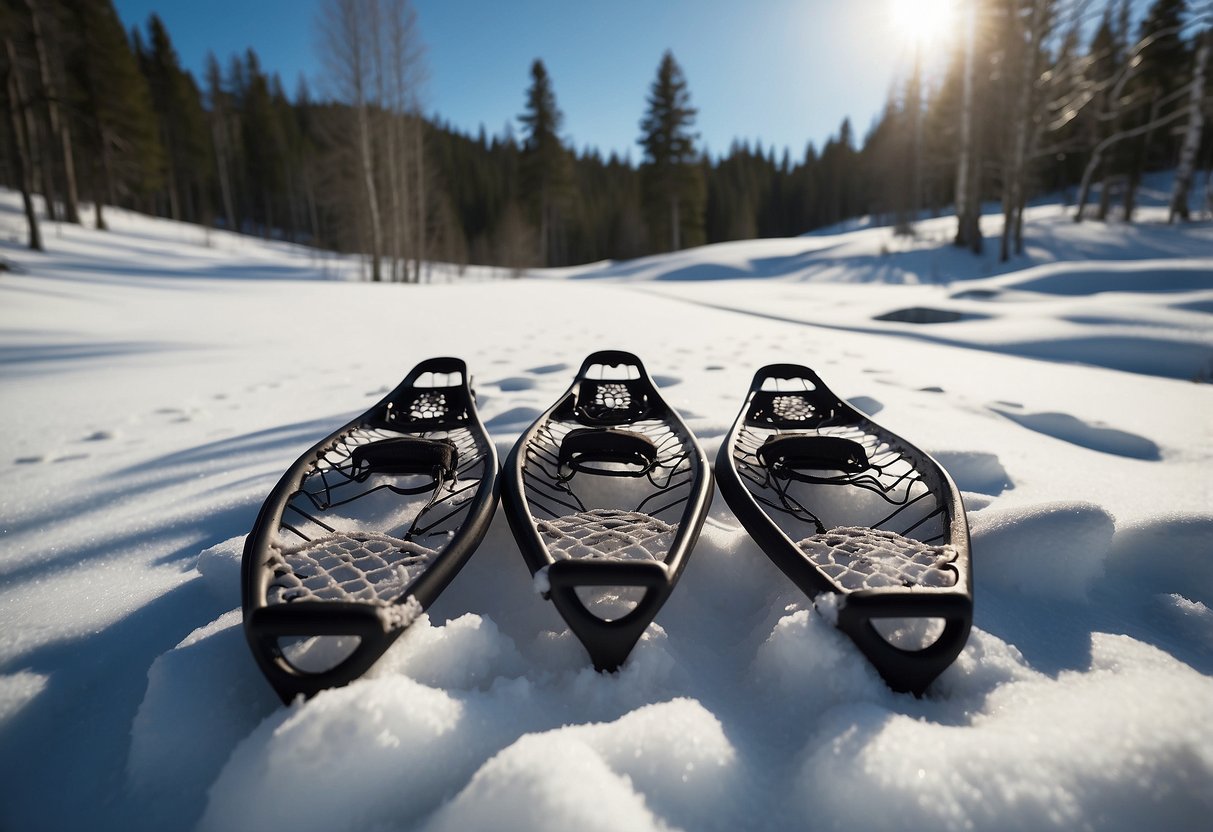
point(157, 380)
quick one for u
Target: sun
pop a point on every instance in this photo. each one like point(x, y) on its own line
point(924, 23)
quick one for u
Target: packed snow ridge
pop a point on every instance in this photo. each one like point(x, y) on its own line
point(157, 379)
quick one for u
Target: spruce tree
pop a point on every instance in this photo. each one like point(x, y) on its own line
point(672, 180)
point(181, 123)
point(545, 165)
point(116, 106)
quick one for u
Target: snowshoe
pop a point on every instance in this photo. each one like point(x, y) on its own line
point(366, 529)
point(606, 494)
point(843, 506)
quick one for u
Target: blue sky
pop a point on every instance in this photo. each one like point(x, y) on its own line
point(783, 71)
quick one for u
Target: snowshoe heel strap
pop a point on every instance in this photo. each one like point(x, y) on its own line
point(587, 449)
point(403, 456)
point(786, 455)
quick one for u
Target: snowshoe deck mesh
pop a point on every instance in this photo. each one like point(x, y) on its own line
point(858, 558)
point(607, 534)
point(373, 568)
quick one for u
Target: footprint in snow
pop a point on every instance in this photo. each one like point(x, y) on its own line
point(711, 368)
point(548, 368)
point(513, 416)
point(515, 383)
point(931, 389)
point(666, 381)
point(100, 436)
point(29, 460)
point(976, 471)
point(70, 458)
point(1093, 436)
point(867, 404)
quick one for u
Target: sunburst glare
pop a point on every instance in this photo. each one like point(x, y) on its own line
point(925, 23)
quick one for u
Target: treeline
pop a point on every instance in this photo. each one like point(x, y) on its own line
point(1043, 94)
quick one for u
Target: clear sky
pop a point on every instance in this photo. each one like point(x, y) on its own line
point(783, 71)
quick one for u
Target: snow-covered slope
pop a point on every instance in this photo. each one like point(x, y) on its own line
point(153, 388)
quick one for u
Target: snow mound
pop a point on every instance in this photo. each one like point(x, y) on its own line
point(1055, 550)
point(1009, 768)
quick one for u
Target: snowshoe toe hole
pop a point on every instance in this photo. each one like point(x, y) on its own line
point(910, 634)
point(317, 654)
point(609, 603)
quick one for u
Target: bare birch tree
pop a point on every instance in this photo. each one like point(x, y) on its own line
point(1193, 134)
point(348, 38)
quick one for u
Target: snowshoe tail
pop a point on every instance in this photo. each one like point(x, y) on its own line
point(842, 505)
point(606, 494)
point(366, 529)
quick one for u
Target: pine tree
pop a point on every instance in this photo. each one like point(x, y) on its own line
point(1165, 68)
point(673, 182)
point(545, 164)
point(181, 123)
point(116, 105)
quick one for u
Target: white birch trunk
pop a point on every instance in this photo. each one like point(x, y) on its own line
point(1192, 137)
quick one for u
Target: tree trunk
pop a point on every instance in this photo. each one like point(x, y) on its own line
point(968, 224)
point(1193, 135)
point(19, 140)
point(368, 182)
point(1016, 167)
point(419, 188)
point(675, 224)
point(60, 132)
point(1139, 165)
point(219, 138)
point(1097, 153)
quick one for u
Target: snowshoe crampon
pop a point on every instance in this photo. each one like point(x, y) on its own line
point(606, 494)
point(366, 529)
point(842, 505)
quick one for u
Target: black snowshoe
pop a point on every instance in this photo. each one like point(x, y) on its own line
point(843, 506)
point(606, 494)
point(366, 529)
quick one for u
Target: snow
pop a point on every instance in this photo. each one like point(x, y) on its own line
point(157, 379)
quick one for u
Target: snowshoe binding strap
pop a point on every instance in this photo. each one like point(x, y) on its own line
point(788, 456)
point(404, 456)
point(590, 450)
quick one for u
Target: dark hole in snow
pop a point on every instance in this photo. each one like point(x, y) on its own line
point(976, 294)
point(925, 315)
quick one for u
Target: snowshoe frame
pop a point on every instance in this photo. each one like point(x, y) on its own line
point(607, 427)
point(416, 432)
point(793, 429)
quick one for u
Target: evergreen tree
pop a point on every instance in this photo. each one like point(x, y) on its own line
point(673, 183)
point(116, 104)
point(181, 124)
point(1165, 68)
point(545, 164)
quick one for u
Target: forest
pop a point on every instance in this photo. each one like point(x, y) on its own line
point(1077, 96)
